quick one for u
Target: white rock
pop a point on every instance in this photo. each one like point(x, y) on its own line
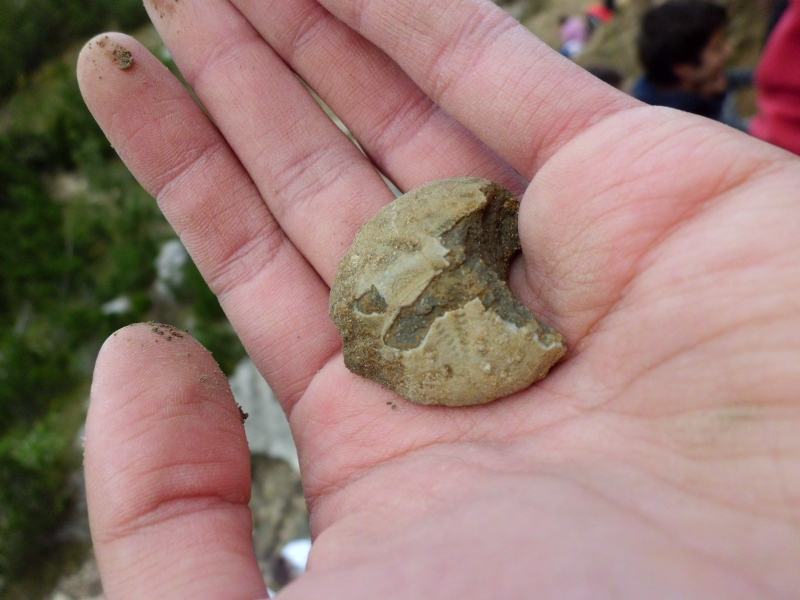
point(295, 555)
point(266, 426)
point(117, 306)
point(170, 262)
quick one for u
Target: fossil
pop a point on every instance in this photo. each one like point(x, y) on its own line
point(422, 304)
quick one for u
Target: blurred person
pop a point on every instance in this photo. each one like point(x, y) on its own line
point(778, 84)
point(601, 13)
point(574, 32)
point(607, 74)
point(684, 49)
point(777, 8)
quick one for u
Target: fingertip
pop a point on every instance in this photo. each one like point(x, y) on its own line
point(114, 71)
point(146, 375)
point(167, 468)
point(135, 352)
point(106, 53)
point(146, 336)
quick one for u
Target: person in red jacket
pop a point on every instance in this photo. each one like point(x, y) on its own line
point(778, 84)
point(601, 13)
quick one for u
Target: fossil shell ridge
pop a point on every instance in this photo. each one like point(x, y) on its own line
point(422, 304)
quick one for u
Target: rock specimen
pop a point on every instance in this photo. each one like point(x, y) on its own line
point(422, 304)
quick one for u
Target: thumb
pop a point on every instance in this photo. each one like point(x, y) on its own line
point(167, 471)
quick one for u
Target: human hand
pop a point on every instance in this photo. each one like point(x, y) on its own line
point(659, 459)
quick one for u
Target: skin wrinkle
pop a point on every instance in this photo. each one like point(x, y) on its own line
point(742, 265)
point(555, 132)
point(669, 534)
point(624, 508)
point(687, 412)
point(290, 192)
point(238, 43)
point(757, 509)
point(479, 31)
point(396, 128)
point(161, 477)
point(680, 451)
point(168, 510)
point(718, 459)
point(155, 417)
point(539, 429)
point(143, 126)
point(537, 97)
point(570, 242)
point(194, 159)
point(635, 270)
point(249, 261)
point(121, 469)
point(524, 469)
point(732, 292)
point(699, 342)
point(357, 472)
point(310, 27)
point(208, 217)
point(327, 496)
point(642, 264)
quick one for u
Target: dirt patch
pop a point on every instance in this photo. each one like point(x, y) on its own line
point(122, 57)
point(167, 332)
point(163, 8)
point(119, 54)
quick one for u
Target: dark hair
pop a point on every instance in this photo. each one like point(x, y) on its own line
point(676, 33)
point(608, 74)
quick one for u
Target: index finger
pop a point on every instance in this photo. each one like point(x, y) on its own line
point(520, 97)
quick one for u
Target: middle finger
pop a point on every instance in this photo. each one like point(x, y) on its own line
point(317, 184)
point(408, 136)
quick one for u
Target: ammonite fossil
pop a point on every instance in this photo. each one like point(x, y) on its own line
point(422, 303)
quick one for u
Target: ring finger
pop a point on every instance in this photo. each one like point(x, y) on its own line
point(408, 136)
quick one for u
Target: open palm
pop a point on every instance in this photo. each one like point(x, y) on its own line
point(662, 458)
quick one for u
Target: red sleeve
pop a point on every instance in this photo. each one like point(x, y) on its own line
point(778, 84)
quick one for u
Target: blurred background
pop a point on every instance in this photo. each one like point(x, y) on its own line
point(84, 251)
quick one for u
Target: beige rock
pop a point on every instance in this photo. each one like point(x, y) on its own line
point(422, 304)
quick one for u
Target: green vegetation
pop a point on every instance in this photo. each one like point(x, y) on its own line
point(77, 232)
point(31, 31)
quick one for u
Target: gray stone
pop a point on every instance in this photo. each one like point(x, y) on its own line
point(422, 302)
